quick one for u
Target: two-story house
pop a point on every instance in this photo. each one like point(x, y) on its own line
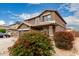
point(47, 22)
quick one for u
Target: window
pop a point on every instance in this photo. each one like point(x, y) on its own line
point(46, 31)
point(47, 18)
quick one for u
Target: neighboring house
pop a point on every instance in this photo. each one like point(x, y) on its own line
point(47, 22)
point(3, 27)
point(12, 29)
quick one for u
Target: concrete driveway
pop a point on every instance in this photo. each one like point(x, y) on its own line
point(4, 44)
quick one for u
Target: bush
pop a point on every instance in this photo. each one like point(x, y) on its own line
point(64, 40)
point(3, 30)
point(32, 44)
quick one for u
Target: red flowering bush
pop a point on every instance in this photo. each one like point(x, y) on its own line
point(64, 40)
point(32, 44)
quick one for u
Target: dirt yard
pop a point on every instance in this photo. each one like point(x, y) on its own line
point(73, 52)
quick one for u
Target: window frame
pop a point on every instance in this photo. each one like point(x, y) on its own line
point(47, 18)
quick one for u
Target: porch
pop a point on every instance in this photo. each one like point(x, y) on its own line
point(47, 30)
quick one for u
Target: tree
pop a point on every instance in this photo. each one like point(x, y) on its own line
point(3, 30)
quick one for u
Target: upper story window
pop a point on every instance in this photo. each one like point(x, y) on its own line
point(47, 18)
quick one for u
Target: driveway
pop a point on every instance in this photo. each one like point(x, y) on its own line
point(4, 44)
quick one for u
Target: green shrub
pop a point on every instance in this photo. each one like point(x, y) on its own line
point(32, 44)
point(3, 30)
point(64, 40)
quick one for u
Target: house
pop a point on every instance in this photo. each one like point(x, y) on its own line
point(12, 29)
point(47, 22)
point(3, 27)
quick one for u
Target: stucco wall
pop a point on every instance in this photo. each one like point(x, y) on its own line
point(59, 28)
point(23, 26)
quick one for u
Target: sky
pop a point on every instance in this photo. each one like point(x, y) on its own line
point(12, 12)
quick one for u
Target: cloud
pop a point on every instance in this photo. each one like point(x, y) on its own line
point(11, 22)
point(22, 16)
point(2, 22)
point(64, 6)
point(72, 20)
point(25, 16)
point(35, 14)
point(73, 7)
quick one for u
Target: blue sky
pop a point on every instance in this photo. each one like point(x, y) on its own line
point(12, 12)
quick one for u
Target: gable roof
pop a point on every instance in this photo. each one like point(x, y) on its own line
point(25, 24)
point(48, 11)
point(13, 26)
point(3, 27)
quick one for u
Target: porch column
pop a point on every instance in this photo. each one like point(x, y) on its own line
point(51, 31)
